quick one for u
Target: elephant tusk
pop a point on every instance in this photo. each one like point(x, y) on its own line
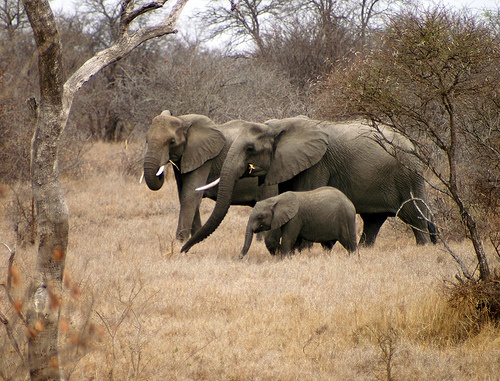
point(175, 165)
point(160, 171)
point(251, 167)
point(142, 177)
point(205, 187)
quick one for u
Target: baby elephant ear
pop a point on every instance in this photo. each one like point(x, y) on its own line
point(299, 144)
point(203, 142)
point(285, 208)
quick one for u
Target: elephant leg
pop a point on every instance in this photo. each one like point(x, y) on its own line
point(433, 231)
point(179, 180)
point(289, 237)
point(266, 191)
point(196, 221)
point(349, 243)
point(190, 200)
point(348, 236)
point(189, 216)
point(328, 245)
point(303, 244)
point(298, 245)
point(372, 222)
point(411, 215)
point(272, 240)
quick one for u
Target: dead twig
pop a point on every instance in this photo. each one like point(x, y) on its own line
point(8, 287)
point(457, 259)
point(3, 318)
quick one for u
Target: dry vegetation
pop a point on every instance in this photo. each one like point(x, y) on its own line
point(138, 309)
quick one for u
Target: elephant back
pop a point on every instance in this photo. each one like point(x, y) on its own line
point(231, 129)
point(367, 162)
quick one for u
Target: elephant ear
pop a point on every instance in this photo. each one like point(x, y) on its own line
point(299, 144)
point(203, 142)
point(284, 209)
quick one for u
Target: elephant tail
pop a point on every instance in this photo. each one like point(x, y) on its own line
point(433, 231)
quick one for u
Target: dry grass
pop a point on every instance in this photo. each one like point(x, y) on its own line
point(138, 309)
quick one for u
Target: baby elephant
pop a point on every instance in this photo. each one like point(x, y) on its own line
point(322, 215)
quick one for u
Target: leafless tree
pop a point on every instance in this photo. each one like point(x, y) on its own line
point(12, 16)
point(244, 21)
point(56, 98)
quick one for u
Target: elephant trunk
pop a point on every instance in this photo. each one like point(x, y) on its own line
point(248, 240)
point(229, 176)
point(151, 167)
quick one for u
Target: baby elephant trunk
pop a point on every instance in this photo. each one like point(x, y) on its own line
point(248, 241)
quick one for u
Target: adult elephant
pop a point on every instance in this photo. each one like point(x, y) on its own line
point(303, 154)
point(196, 147)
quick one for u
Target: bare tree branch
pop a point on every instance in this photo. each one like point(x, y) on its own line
point(3, 318)
point(437, 233)
point(129, 14)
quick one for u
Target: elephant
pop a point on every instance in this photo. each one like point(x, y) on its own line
point(322, 215)
point(196, 147)
point(376, 168)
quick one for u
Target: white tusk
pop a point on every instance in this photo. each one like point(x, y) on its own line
point(142, 177)
point(160, 171)
point(205, 187)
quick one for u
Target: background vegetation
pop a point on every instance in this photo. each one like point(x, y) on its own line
point(328, 314)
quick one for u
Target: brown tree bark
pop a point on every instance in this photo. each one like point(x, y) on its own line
point(51, 210)
point(56, 98)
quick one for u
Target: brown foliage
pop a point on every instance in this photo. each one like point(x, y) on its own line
point(434, 78)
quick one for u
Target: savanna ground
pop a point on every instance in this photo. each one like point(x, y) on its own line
point(135, 308)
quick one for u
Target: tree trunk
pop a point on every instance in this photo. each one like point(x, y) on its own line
point(475, 237)
point(51, 210)
point(466, 216)
point(56, 98)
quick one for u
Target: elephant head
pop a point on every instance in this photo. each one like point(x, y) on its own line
point(273, 152)
point(187, 140)
point(270, 214)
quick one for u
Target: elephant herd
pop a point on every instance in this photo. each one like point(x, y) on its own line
point(306, 179)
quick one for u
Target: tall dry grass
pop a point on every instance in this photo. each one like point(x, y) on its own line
point(137, 309)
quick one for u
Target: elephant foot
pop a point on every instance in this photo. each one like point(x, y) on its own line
point(182, 235)
point(181, 239)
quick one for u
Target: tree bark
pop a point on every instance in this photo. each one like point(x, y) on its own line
point(51, 210)
point(466, 216)
point(52, 220)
